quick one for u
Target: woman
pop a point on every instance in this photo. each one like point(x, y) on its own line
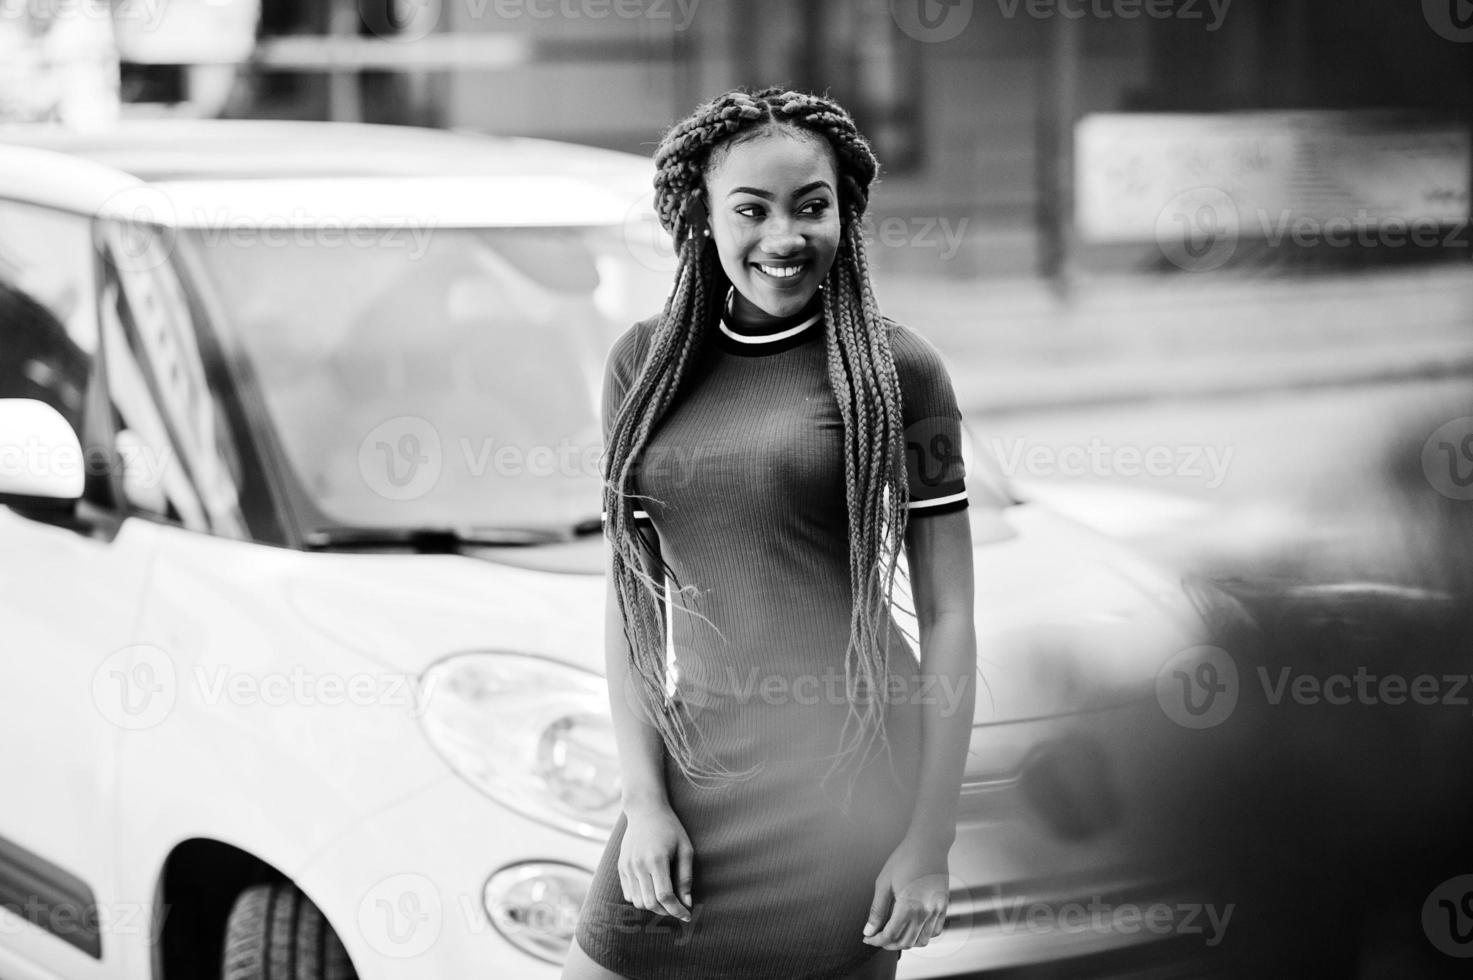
point(772, 441)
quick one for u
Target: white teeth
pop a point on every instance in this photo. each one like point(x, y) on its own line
point(785, 272)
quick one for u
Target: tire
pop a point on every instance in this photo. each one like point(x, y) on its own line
point(274, 932)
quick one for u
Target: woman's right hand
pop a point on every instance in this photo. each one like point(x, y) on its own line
point(654, 836)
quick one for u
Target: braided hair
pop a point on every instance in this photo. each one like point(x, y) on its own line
point(862, 375)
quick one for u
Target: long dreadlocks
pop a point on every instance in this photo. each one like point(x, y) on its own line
point(862, 375)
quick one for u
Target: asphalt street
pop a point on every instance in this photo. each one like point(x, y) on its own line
point(1202, 480)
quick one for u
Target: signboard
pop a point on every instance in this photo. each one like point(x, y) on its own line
point(1168, 177)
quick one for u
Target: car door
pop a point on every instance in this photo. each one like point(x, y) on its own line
point(70, 588)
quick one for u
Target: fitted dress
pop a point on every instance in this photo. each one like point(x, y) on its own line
point(746, 485)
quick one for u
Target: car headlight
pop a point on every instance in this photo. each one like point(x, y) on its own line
point(533, 734)
point(535, 905)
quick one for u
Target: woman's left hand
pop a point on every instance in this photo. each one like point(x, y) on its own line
point(911, 896)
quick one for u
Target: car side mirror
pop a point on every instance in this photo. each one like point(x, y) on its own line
point(41, 465)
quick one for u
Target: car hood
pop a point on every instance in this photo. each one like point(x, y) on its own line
point(1067, 619)
point(1071, 620)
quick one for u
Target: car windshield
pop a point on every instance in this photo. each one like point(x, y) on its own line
point(447, 382)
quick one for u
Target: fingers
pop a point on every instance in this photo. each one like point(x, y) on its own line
point(912, 930)
point(646, 891)
point(940, 926)
point(649, 887)
point(879, 911)
point(933, 927)
point(926, 929)
point(664, 892)
point(900, 918)
point(685, 874)
point(909, 924)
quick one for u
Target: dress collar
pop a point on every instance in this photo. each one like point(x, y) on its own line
point(773, 336)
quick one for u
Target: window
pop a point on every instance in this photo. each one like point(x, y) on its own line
point(181, 464)
point(48, 320)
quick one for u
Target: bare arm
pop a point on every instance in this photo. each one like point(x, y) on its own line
point(940, 552)
point(641, 750)
point(656, 858)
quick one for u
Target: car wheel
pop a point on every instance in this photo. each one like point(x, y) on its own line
point(274, 932)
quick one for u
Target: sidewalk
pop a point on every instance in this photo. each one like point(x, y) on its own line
point(1014, 346)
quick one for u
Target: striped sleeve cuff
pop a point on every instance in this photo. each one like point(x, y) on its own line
point(640, 517)
point(946, 504)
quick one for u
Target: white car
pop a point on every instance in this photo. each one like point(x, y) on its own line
point(301, 577)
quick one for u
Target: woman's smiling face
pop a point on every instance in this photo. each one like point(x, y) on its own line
point(774, 213)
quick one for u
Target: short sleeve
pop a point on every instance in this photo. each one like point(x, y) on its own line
point(935, 469)
point(620, 370)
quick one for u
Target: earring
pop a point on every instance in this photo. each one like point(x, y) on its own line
point(706, 232)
